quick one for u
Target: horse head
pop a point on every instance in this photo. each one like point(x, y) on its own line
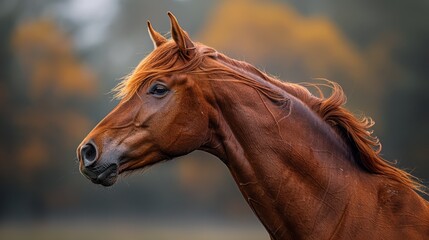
point(161, 114)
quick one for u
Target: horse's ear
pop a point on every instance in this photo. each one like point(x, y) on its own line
point(185, 44)
point(157, 38)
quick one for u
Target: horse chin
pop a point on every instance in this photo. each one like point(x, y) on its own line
point(109, 181)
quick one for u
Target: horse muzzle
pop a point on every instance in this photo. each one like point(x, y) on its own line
point(97, 170)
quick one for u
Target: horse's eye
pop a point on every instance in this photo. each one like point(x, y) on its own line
point(158, 90)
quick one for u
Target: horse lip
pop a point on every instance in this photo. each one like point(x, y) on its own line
point(110, 172)
point(88, 174)
point(106, 178)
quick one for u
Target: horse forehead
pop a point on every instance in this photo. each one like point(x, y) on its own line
point(180, 79)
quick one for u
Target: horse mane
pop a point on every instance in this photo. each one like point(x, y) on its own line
point(366, 147)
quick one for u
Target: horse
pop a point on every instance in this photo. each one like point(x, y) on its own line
point(307, 167)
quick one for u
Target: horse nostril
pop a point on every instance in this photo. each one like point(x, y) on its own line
point(89, 154)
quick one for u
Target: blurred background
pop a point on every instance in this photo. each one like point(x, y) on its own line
point(60, 58)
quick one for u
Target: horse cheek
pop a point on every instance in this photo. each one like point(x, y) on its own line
point(187, 134)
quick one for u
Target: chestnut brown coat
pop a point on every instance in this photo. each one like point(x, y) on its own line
point(306, 166)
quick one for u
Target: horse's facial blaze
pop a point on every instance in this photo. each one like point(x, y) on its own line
point(163, 120)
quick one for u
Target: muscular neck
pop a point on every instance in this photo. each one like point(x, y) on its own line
point(280, 169)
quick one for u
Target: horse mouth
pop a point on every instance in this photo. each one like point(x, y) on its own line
point(106, 177)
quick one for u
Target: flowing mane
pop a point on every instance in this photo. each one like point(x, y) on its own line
point(356, 132)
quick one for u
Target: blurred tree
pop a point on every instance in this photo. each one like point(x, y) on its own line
point(297, 47)
point(44, 114)
point(52, 78)
point(51, 67)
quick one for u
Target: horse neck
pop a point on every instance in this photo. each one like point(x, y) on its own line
point(283, 162)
